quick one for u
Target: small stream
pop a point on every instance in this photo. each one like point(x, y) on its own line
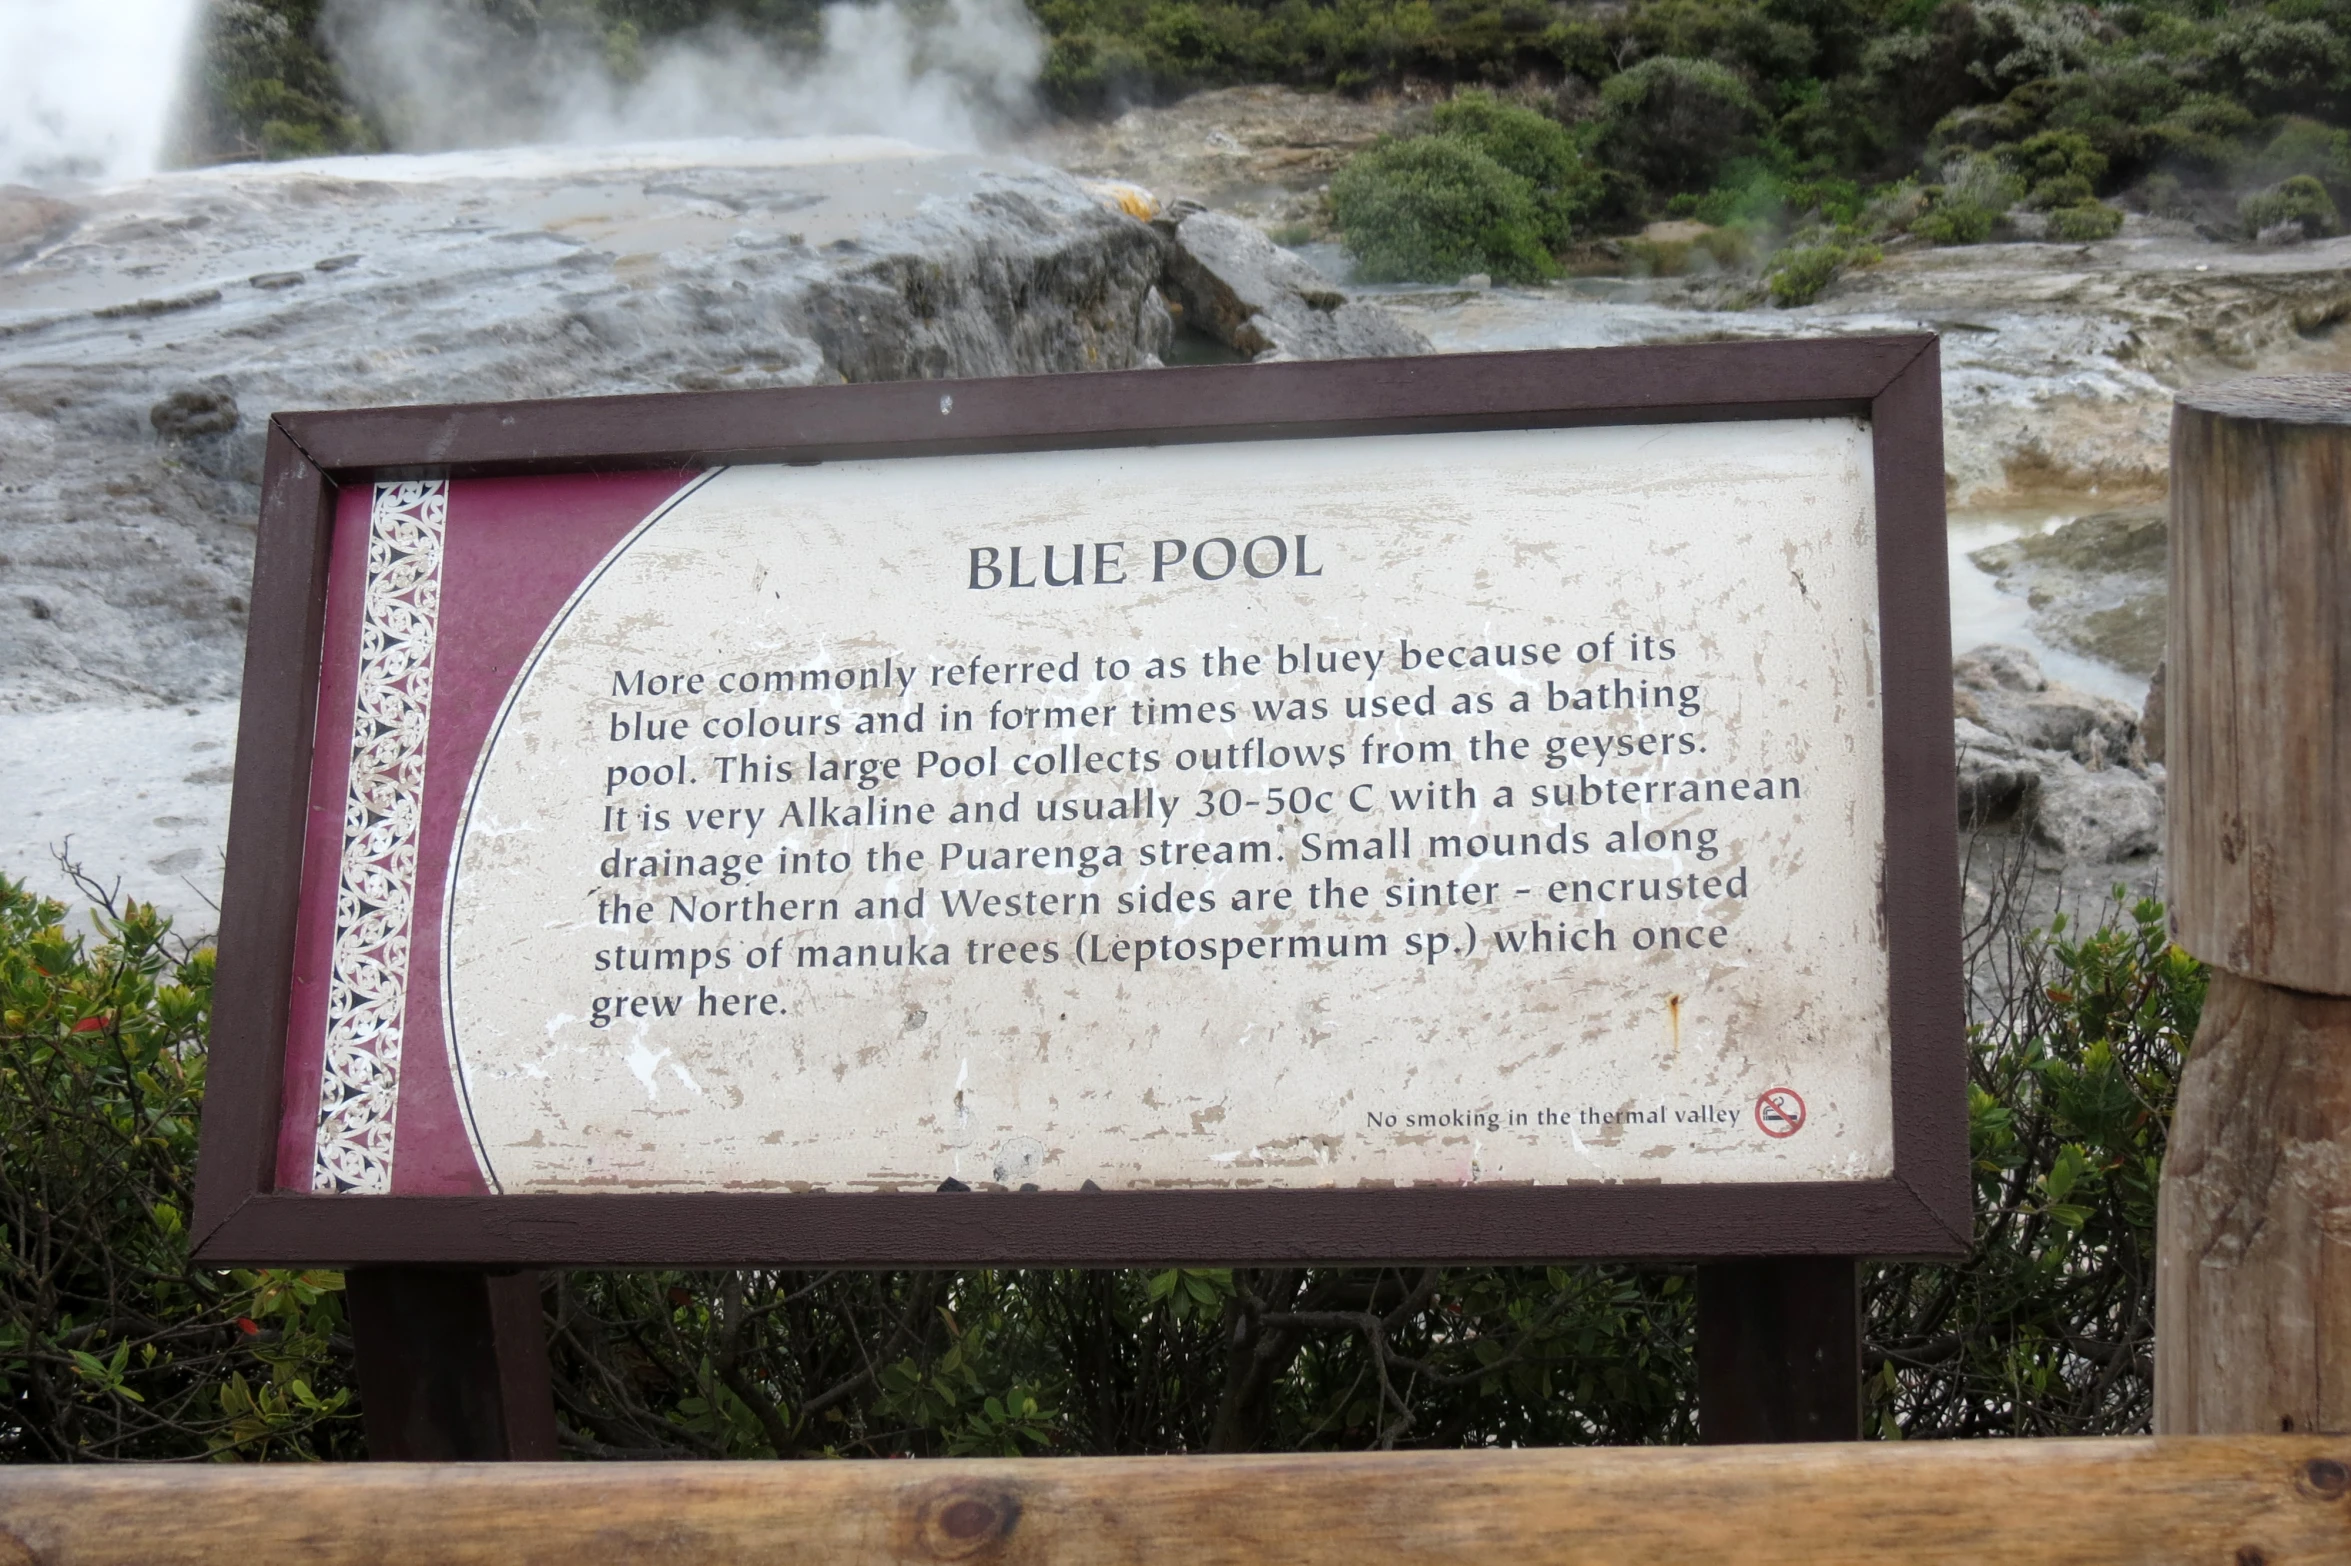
point(1982, 611)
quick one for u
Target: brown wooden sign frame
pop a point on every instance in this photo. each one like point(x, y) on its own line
point(1921, 1210)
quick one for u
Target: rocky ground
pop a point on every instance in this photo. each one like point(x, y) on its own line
point(2060, 807)
point(1263, 154)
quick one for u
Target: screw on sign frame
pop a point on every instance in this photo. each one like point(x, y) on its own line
point(1779, 1111)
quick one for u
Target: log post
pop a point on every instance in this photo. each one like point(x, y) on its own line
point(2253, 1250)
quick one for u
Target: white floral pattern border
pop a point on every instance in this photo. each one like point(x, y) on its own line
point(375, 892)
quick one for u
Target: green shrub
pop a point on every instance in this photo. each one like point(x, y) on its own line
point(2085, 222)
point(1535, 147)
point(1676, 123)
point(2066, 190)
point(111, 1345)
point(2056, 169)
point(2203, 136)
point(1434, 208)
point(2302, 201)
point(2048, 1327)
point(267, 88)
point(1796, 277)
point(2281, 66)
point(1716, 250)
point(1964, 210)
point(2055, 155)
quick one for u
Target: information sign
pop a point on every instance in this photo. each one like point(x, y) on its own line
point(1482, 808)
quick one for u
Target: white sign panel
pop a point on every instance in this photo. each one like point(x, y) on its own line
point(1496, 807)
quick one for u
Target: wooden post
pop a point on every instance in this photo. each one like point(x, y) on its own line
point(1779, 1350)
point(452, 1365)
point(2253, 1251)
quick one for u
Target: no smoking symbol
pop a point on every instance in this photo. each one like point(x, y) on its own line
point(1779, 1111)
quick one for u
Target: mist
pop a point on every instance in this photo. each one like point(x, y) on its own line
point(440, 74)
point(87, 89)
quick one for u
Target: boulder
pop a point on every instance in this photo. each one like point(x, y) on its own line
point(1998, 778)
point(2003, 690)
point(194, 412)
point(2097, 816)
point(1239, 287)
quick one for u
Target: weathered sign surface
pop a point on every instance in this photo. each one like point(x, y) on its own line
point(1473, 807)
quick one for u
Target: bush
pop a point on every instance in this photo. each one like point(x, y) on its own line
point(1675, 123)
point(1434, 208)
point(111, 1346)
point(266, 87)
point(2057, 169)
point(2066, 190)
point(2305, 147)
point(2085, 222)
point(2048, 1327)
point(2301, 201)
point(2054, 155)
point(1796, 277)
point(2281, 66)
point(1535, 147)
point(2204, 135)
point(1976, 194)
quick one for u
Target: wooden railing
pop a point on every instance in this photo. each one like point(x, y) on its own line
point(2208, 1500)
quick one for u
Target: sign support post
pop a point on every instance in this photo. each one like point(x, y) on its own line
point(1779, 1350)
point(452, 1365)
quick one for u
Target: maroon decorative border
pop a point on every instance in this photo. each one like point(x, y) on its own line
point(1921, 1210)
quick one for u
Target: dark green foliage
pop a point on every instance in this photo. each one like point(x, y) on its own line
point(2281, 66)
point(2301, 201)
point(2057, 168)
point(2305, 147)
point(1964, 210)
point(2048, 1329)
point(1675, 123)
point(1797, 276)
point(1105, 54)
point(111, 1347)
point(1680, 95)
point(2083, 222)
point(265, 88)
point(1436, 208)
point(1534, 147)
point(762, 1364)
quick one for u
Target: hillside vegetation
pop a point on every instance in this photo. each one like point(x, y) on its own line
point(1804, 133)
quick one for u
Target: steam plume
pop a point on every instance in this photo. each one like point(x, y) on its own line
point(441, 74)
point(86, 88)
